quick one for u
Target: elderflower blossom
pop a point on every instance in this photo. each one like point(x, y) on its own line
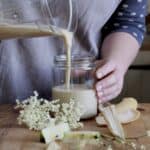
point(35, 112)
point(70, 113)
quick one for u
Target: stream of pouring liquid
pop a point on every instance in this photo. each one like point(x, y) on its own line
point(8, 31)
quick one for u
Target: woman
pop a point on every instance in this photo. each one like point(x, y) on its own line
point(114, 30)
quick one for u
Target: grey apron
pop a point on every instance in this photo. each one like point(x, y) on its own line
point(26, 64)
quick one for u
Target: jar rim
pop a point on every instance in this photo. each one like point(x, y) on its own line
point(77, 61)
point(75, 58)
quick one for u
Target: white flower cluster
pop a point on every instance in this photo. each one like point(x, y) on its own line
point(37, 114)
point(71, 113)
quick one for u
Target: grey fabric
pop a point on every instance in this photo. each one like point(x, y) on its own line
point(26, 64)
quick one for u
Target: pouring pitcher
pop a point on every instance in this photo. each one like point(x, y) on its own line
point(32, 18)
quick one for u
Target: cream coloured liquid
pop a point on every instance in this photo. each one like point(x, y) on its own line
point(34, 30)
point(82, 94)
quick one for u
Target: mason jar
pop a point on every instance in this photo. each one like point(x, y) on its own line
point(81, 83)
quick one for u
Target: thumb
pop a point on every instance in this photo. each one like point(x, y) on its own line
point(104, 69)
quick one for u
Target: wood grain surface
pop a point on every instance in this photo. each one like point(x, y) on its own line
point(15, 137)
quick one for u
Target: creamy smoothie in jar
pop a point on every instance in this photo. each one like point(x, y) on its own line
point(81, 83)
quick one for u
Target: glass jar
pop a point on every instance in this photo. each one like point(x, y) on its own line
point(81, 83)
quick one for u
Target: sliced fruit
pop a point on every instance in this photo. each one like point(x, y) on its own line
point(82, 135)
point(114, 125)
point(125, 104)
point(54, 132)
point(125, 117)
point(129, 116)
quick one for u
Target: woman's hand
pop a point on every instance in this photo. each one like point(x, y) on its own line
point(109, 80)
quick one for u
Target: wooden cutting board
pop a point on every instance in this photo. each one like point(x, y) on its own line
point(14, 137)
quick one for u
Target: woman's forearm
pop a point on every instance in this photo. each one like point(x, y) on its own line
point(120, 47)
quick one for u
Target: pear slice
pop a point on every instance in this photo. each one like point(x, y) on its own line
point(129, 116)
point(124, 117)
point(126, 103)
point(110, 115)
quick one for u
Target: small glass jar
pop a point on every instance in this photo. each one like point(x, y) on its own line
point(81, 83)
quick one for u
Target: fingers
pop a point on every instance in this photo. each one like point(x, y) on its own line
point(105, 69)
point(110, 81)
point(108, 93)
point(107, 98)
point(109, 87)
point(106, 82)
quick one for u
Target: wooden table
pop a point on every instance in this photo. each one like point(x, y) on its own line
point(14, 137)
